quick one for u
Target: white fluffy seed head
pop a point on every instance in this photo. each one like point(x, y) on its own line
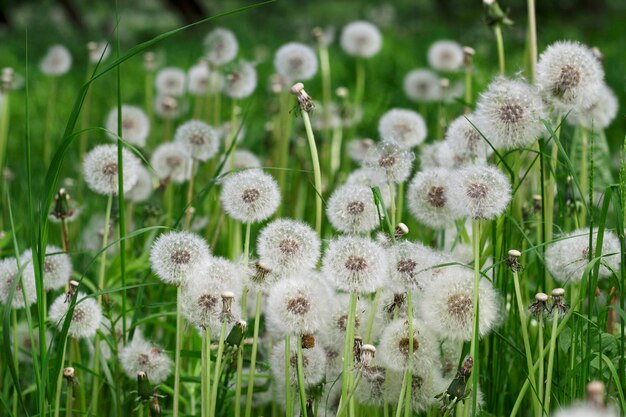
point(409, 266)
point(98, 51)
point(142, 190)
point(198, 140)
point(585, 410)
point(100, 169)
point(481, 192)
point(361, 39)
point(246, 159)
point(286, 246)
point(295, 62)
point(57, 267)
point(314, 364)
point(241, 81)
point(567, 258)
point(426, 383)
point(351, 209)
point(598, 114)
point(429, 195)
point(135, 125)
point(391, 160)
point(56, 62)
point(9, 273)
point(221, 46)
point(423, 85)
point(171, 81)
point(403, 127)
point(393, 349)
point(334, 332)
point(86, 318)
point(371, 178)
point(569, 75)
point(142, 356)
point(250, 196)
point(358, 148)
point(170, 161)
point(355, 264)
point(445, 56)
point(510, 113)
point(464, 137)
point(200, 79)
point(169, 107)
point(174, 255)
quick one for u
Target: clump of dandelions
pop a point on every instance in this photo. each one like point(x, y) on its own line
point(569, 75)
point(423, 85)
point(393, 349)
point(351, 209)
point(391, 160)
point(464, 137)
point(361, 39)
point(286, 246)
point(313, 360)
point(100, 168)
point(9, 273)
point(85, 320)
point(250, 196)
point(135, 125)
point(447, 305)
point(197, 139)
point(240, 81)
point(56, 62)
point(170, 162)
point(403, 127)
point(142, 356)
point(598, 114)
point(355, 264)
point(221, 46)
point(511, 113)
point(567, 257)
point(171, 81)
point(480, 192)
point(429, 198)
point(295, 62)
point(174, 255)
point(446, 56)
point(57, 267)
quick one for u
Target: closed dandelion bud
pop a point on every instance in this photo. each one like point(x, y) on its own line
point(221, 46)
point(361, 39)
point(464, 137)
point(86, 317)
point(481, 192)
point(423, 86)
point(495, 14)
point(69, 375)
point(100, 168)
point(445, 56)
point(198, 140)
point(9, 273)
point(351, 209)
point(429, 197)
point(171, 81)
point(392, 161)
point(250, 196)
point(597, 114)
point(236, 335)
point(64, 208)
point(403, 127)
point(56, 62)
point(135, 125)
point(144, 388)
point(140, 356)
point(175, 254)
point(393, 349)
point(313, 361)
point(170, 162)
point(295, 62)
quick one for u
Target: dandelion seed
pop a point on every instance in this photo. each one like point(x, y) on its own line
point(241, 81)
point(135, 125)
point(393, 349)
point(9, 272)
point(429, 196)
point(171, 81)
point(598, 114)
point(141, 356)
point(422, 85)
point(313, 360)
point(295, 62)
point(392, 161)
point(445, 56)
point(86, 318)
point(142, 190)
point(250, 196)
point(361, 39)
point(403, 127)
point(174, 255)
point(57, 267)
point(351, 209)
point(171, 162)
point(198, 140)
point(101, 166)
point(481, 192)
point(56, 62)
point(221, 46)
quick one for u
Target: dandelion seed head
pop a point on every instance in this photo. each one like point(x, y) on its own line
point(198, 140)
point(142, 190)
point(371, 178)
point(171, 81)
point(393, 349)
point(241, 81)
point(201, 80)
point(142, 356)
point(428, 197)
point(135, 125)
point(358, 148)
point(246, 159)
point(585, 410)
point(98, 51)
point(391, 160)
point(295, 62)
point(423, 85)
point(221, 46)
point(334, 332)
point(57, 267)
point(403, 127)
point(446, 56)
point(372, 386)
point(174, 255)
point(56, 62)
point(463, 136)
point(313, 360)
point(100, 168)
point(250, 196)
point(361, 39)
point(86, 319)
point(171, 162)
point(169, 107)
point(426, 383)
point(351, 209)
point(409, 266)
point(481, 192)
point(598, 114)
point(9, 273)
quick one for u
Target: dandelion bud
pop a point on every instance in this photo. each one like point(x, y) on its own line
point(304, 100)
point(144, 389)
point(308, 341)
point(68, 373)
point(401, 230)
point(62, 208)
point(537, 203)
point(595, 393)
point(468, 55)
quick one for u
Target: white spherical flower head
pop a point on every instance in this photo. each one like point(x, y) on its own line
point(373, 385)
point(426, 383)
point(567, 258)
point(569, 75)
point(135, 125)
point(56, 62)
point(241, 81)
point(585, 410)
point(351, 209)
point(171, 162)
point(199, 140)
point(358, 148)
point(9, 273)
point(445, 56)
point(100, 168)
point(85, 320)
point(142, 356)
point(391, 160)
point(481, 192)
point(464, 136)
point(250, 196)
point(403, 127)
point(428, 197)
point(511, 112)
point(371, 178)
point(295, 62)
point(297, 306)
point(393, 349)
point(334, 333)
point(409, 266)
point(286, 246)
point(142, 190)
point(221, 46)
point(171, 81)
point(448, 304)
point(174, 255)
point(355, 264)
point(598, 114)
point(313, 361)
point(199, 79)
point(57, 267)
point(169, 107)
point(246, 159)
point(423, 85)
point(361, 39)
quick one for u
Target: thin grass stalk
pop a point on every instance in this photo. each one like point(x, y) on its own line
point(179, 343)
point(316, 172)
point(85, 114)
point(497, 30)
point(253, 355)
point(244, 299)
point(300, 373)
point(218, 370)
point(584, 171)
point(335, 151)
point(468, 88)
point(4, 125)
point(403, 389)
point(360, 83)
point(550, 370)
point(59, 386)
point(540, 346)
point(400, 203)
point(16, 351)
point(326, 86)
point(392, 208)
point(50, 114)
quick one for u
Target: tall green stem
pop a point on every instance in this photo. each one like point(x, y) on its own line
point(326, 87)
point(179, 344)
point(550, 370)
point(300, 372)
point(288, 400)
point(255, 344)
point(316, 172)
point(206, 371)
point(346, 373)
point(50, 115)
point(476, 311)
point(360, 83)
point(189, 210)
point(218, 370)
point(497, 30)
point(409, 364)
point(541, 361)
point(532, 39)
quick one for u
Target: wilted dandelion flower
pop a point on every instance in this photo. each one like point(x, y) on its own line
point(142, 190)
point(351, 209)
point(480, 191)
point(197, 139)
point(86, 318)
point(429, 198)
point(295, 62)
point(175, 254)
point(142, 356)
point(361, 39)
point(313, 361)
point(171, 162)
point(246, 159)
point(358, 148)
point(221, 46)
point(100, 168)
point(447, 305)
point(168, 107)
point(393, 349)
point(240, 81)
point(423, 85)
point(445, 56)
point(285, 246)
point(135, 125)
point(409, 265)
point(511, 113)
point(171, 81)
point(569, 75)
point(9, 272)
point(355, 264)
point(250, 196)
point(567, 258)
point(403, 127)
point(57, 267)
point(598, 114)
point(464, 137)
point(391, 160)
point(56, 62)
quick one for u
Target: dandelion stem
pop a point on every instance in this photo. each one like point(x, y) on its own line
point(584, 169)
point(475, 303)
point(468, 88)
point(50, 114)
point(57, 402)
point(179, 342)
point(216, 373)
point(300, 372)
point(541, 361)
point(532, 39)
point(392, 209)
point(497, 30)
point(372, 316)
point(255, 344)
point(206, 371)
point(326, 87)
point(105, 242)
point(360, 83)
point(4, 126)
point(409, 364)
point(402, 393)
point(316, 172)
point(189, 209)
point(348, 351)
point(288, 400)
point(553, 336)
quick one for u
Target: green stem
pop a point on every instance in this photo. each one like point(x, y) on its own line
point(301, 387)
point(57, 402)
point(476, 311)
point(541, 359)
point(179, 343)
point(497, 30)
point(555, 325)
point(288, 400)
point(255, 344)
point(409, 364)
point(205, 372)
point(326, 86)
point(372, 317)
point(189, 210)
point(360, 83)
point(402, 394)
point(218, 366)
point(4, 126)
point(346, 373)
point(400, 204)
point(392, 209)
point(316, 172)
point(335, 152)
point(246, 245)
point(50, 114)
point(584, 180)
point(468, 88)
point(532, 39)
